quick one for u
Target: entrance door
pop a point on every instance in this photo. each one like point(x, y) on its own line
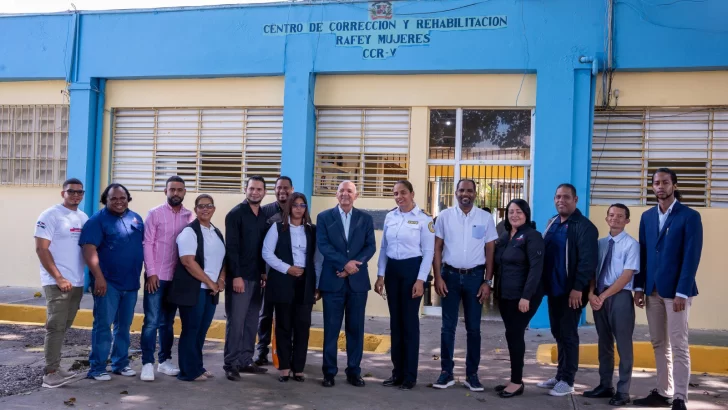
point(491, 147)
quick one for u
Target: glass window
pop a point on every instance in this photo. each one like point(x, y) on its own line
point(496, 135)
point(442, 134)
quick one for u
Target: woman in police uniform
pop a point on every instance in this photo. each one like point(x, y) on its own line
point(405, 257)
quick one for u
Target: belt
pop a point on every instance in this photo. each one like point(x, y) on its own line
point(464, 271)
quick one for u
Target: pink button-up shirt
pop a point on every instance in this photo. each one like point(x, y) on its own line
point(161, 228)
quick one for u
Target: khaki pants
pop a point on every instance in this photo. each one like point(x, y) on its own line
point(669, 336)
point(61, 311)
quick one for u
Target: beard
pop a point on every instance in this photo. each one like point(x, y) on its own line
point(175, 201)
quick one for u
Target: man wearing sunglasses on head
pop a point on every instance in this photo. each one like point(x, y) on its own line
point(61, 274)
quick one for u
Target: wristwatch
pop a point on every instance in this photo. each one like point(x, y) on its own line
point(489, 282)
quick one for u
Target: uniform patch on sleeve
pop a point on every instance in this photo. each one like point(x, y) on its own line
point(40, 224)
point(431, 226)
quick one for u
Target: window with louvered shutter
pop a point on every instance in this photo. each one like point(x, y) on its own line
point(629, 145)
point(213, 149)
point(33, 144)
point(369, 146)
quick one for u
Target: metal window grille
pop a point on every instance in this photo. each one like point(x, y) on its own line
point(367, 146)
point(33, 144)
point(629, 145)
point(213, 149)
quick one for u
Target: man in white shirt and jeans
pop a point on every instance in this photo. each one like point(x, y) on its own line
point(463, 264)
point(61, 273)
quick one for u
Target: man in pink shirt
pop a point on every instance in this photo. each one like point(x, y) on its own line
point(162, 226)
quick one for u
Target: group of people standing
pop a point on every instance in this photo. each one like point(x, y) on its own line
point(274, 262)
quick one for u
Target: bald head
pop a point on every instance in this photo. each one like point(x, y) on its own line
point(346, 195)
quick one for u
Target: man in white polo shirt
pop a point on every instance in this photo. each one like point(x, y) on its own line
point(61, 274)
point(464, 243)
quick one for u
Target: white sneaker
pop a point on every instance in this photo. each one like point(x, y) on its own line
point(103, 377)
point(548, 384)
point(561, 389)
point(127, 371)
point(148, 372)
point(168, 368)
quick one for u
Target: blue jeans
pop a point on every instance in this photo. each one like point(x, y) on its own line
point(115, 307)
point(158, 316)
point(461, 287)
point(196, 321)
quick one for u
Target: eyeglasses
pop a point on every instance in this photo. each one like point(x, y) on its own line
point(74, 192)
point(206, 206)
point(302, 206)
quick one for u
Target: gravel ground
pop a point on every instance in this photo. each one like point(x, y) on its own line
point(16, 340)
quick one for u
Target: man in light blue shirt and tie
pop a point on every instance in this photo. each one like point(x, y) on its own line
point(611, 300)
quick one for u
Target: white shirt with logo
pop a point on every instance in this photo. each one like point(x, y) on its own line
point(465, 236)
point(62, 227)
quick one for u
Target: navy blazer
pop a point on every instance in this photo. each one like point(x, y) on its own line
point(338, 251)
point(669, 258)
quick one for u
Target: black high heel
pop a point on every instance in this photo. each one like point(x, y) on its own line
point(283, 379)
point(504, 394)
point(299, 379)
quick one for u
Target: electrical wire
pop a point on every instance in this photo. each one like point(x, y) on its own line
point(528, 55)
point(646, 19)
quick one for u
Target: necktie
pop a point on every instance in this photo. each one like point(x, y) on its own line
point(601, 285)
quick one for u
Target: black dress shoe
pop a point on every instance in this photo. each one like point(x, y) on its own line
point(299, 379)
point(262, 361)
point(600, 392)
point(392, 381)
point(679, 404)
point(253, 368)
point(655, 399)
point(506, 395)
point(620, 399)
point(355, 381)
point(328, 382)
point(407, 386)
point(232, 375)
point(499, 388)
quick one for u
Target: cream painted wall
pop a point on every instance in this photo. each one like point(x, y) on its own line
point(711, 272)
point(21, 207)
point(698, 88)
point(426, 90)
point(213, 92)
point(32, 92)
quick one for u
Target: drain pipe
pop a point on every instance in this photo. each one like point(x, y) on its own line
point(594, 62)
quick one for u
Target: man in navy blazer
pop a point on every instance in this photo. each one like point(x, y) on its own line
point(671, 240)
point(345, 238)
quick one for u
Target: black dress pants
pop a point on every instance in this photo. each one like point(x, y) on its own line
point(293, 324)
point(516, 323)
point(404, 316)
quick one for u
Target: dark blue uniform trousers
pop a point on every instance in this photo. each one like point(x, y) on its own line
point(404, 316)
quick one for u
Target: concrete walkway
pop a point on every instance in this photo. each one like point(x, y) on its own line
point(21, 348)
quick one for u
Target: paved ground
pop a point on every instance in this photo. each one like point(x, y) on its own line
point(21, 361)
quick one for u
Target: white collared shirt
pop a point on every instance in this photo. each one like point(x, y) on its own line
point(625, 256)
point(663, 217)
point(465, 236)
point(298, 248)
point(408, 235)
point(214, 249)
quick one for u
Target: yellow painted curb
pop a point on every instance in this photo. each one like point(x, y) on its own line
point(27, 314)
point(703, 359)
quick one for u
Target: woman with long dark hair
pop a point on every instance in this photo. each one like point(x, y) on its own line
point(519, 265)
point(289, 249)
point(199, 277)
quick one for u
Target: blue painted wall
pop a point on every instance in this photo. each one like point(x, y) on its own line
point(542, 37)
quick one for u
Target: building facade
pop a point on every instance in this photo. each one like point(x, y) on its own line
point(519, 95)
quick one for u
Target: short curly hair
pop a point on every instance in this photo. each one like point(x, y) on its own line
point(105, 194)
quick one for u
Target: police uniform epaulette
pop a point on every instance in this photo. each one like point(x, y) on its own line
point(424, 212)
point(393, 209)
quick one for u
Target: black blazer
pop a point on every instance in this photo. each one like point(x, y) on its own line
point(281, 287)
point(185, 287)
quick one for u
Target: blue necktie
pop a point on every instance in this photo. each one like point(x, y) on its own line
point(601, 285)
